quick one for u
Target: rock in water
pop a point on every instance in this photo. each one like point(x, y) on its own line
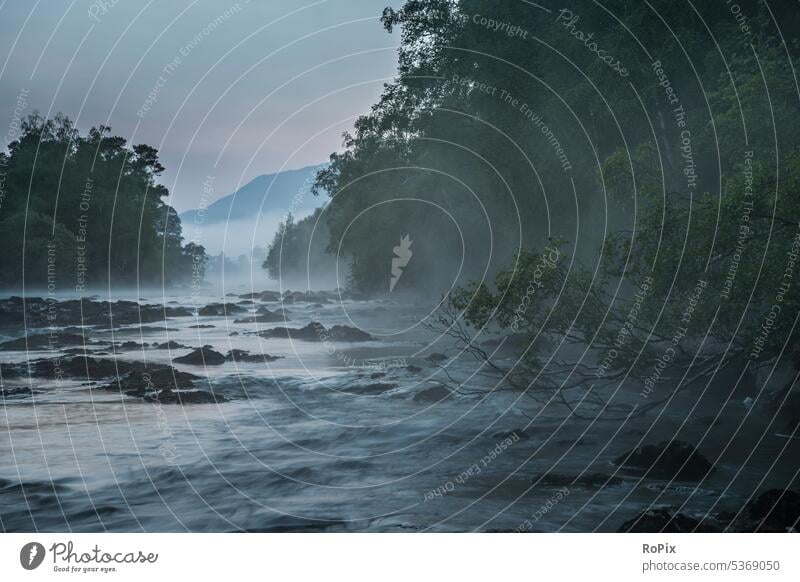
point(219, 309)
point(668, 460)
point(204, 356)
point(662, 520)
point(265, 316)
point(373, 389)
point(345, 333)
point(43, 341)
point(775, 510)
point(170, 345)
point(245, 356)
point(433, 394)
point(316, 332)
point(168, 396)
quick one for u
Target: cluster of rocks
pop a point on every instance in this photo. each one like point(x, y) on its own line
point(262, 316)
point(774, 511)
point(36, 312)
point(667, 460)
point(162, 384)
point(316, 332)
point(320, 297)
point(207, 356)
point(154, 382)
point(220, 310)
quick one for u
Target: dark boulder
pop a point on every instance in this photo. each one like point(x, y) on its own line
point(171, 345)
point(668, 460)
point(220, 309)
point(204, 356)
point(41, 341)
point(345, 333)
point(8, 371)
point(432, 394)
point(312, 332)
point(775, 510)
point(129, 345)
point(142, 381)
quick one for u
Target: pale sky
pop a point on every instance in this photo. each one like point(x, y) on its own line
point(226, 89)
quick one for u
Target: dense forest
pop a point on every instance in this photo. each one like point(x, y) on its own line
point(299, 252)
point(87, 210)
point(621, 177)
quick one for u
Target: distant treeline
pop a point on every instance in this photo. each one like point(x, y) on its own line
point(87, 210)
point(299, 252)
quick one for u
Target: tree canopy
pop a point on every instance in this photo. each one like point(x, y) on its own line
point(81, 210)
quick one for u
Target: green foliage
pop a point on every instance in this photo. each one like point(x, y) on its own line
point(298, 252)
point(96, 202)
point(688, 182)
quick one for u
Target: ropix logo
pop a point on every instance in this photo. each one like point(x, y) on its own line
point(402, 257)
point(31, 555)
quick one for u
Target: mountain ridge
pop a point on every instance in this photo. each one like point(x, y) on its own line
point(286, 191)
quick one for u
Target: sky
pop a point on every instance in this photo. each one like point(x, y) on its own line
point(224, 90)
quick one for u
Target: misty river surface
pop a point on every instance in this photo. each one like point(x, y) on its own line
point(331, 437)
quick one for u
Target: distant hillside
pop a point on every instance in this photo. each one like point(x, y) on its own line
point(266, 194)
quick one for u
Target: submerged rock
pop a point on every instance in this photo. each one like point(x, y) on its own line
point(776, 510)
point(432, 394)
point(312, 332)
point(436, 358)
point(204, 356)
point(142, 381)
point(373, 389)
point(791, 429)
point(345, 333)
point(36, 312)
point(129, 345)
point(169, 396)
point(668, 460)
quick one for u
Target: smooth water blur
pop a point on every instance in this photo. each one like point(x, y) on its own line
point(310, 442)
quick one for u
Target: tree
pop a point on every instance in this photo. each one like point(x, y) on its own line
point(103, 205)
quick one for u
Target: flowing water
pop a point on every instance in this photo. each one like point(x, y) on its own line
point(333, 437)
